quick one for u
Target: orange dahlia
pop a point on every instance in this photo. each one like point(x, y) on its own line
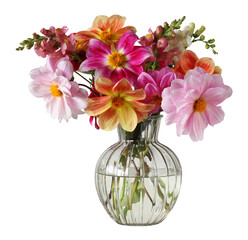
point(107, 29)
point(188, 60)
point(119, 105)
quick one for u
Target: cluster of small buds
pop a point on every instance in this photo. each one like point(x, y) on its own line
point(158, 41)
point(198, 36)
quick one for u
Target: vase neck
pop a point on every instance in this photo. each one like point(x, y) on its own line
point(146, 130)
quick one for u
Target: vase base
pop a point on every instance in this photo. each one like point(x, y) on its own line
point(138, 224)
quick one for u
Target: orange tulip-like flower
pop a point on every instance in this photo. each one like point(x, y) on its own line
point(120, 104)
point(188, 60)
point(108, 30)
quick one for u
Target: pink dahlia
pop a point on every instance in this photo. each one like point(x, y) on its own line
point(124, 61)
point(154, 82)
point(192, 103)
point(64, 98)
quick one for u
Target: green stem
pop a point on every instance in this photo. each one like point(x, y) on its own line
point(133, 191)
point(83, 85)
point(83, 77)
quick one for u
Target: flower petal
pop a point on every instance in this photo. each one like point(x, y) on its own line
point(125, 29)
point(138, 94)
point(115, 22)
point(167, 105)
point(108, 120)
point(145, 78)
point(198, 81)
point(39, 89)
point(128, 118)
point(213, 114)
point(100, 21)
point(122, 86)
point(197, 127)
point(151, 90)
point(136, 70)
point(97, 48)
point(126, 42)
point(96, 31)
point(84, 36)
point(206, 63)
point(139, 55)
point(131, 76)
point(187, 60)
point(103, 72)
point(92, 63)
point(104, 86)
point(58, 108)
point(217, 95)
point(141, 115)
point(142, 107)
point(98, 105)
point(64, 68)
point(183, 120)
point(42, 74)
point(167, 79)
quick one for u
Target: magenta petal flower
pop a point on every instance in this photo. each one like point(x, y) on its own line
point(154, 83)
point(64, 99)
point(124, 61)
point(192, 103)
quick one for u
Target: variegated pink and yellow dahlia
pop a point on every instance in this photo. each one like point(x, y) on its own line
point(107, 29)
point(120, 104)
point(123, 61)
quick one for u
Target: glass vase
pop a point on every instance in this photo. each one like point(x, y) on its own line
point(138, 179)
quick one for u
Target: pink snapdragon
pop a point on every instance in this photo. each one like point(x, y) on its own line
point(124, 61)
point(154, 82)
point(192, 103)
point(64, 98)
point(56, 44)
point(147, 40)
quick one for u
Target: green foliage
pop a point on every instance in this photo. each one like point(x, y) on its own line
point(29, 43)
point(199, 37)
point(169, 29)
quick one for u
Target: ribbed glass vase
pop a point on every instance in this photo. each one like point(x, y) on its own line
point(138, 179)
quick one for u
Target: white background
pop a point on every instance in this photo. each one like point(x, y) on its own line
point(47, 186)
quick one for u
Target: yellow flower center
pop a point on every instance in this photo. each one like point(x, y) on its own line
point(157, 100)
point(55, 91)
point(106, 35)
point(116, 59)
point(200, 105)
point(117, 102)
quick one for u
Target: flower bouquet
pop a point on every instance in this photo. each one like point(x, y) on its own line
point(127, 81)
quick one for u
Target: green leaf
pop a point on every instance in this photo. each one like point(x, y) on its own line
point(161, 183)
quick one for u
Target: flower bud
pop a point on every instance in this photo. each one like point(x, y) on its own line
point(200, 31)
point(159, 30)
point(36, 36)
point(191, 28)
point(162, 43)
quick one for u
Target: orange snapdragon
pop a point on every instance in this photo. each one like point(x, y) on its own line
point(107, 29)
point(120, 104)
point(188, 60)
